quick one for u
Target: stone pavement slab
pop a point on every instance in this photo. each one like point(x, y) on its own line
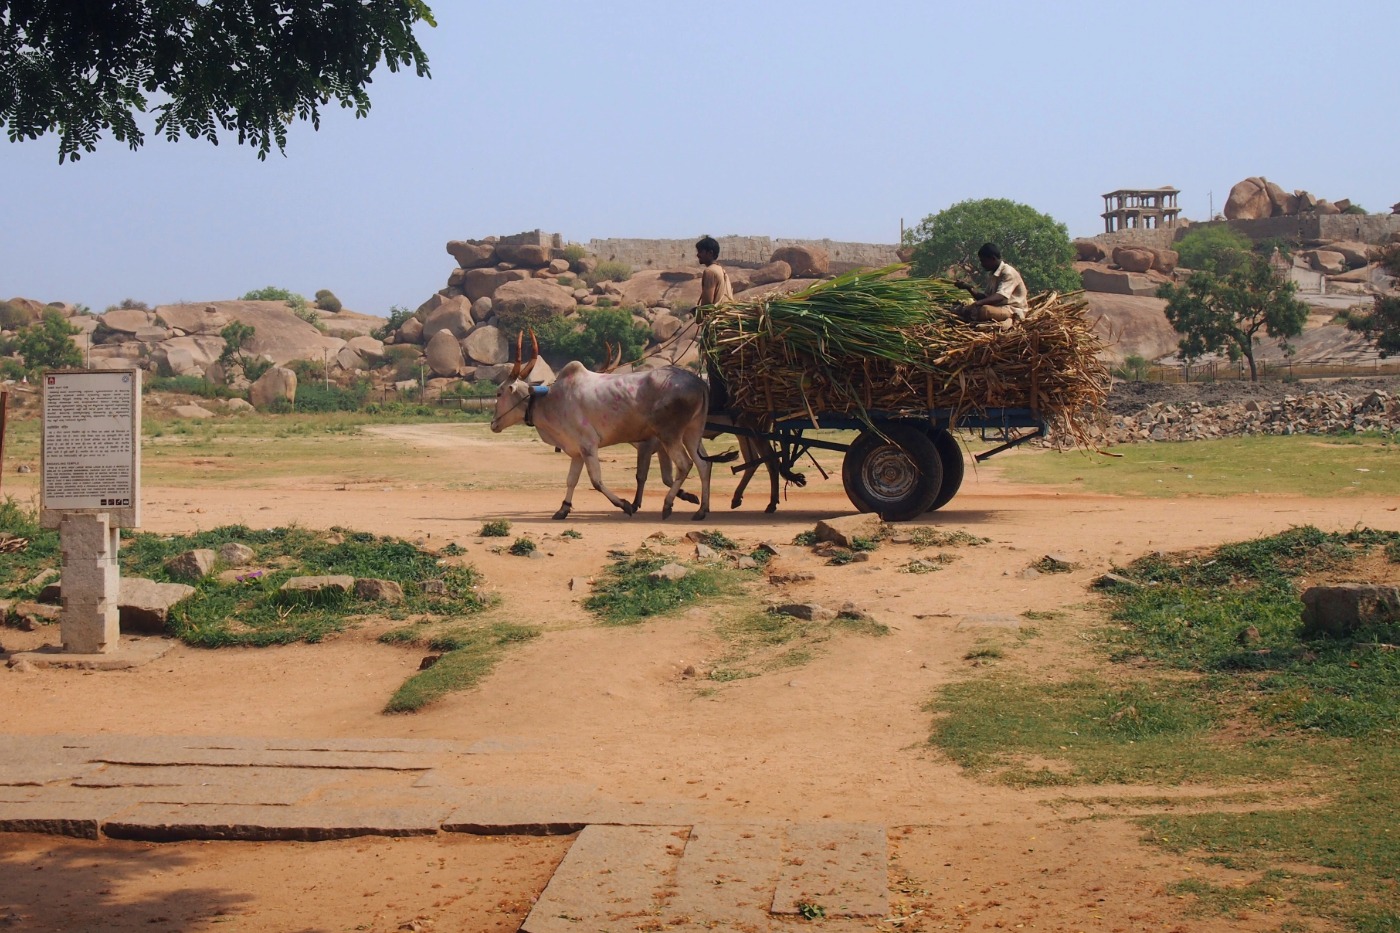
point(613, 878)
point(130, 652)
point(727, 875)
point(840, 867)
point(82, 820)
point(311, 823)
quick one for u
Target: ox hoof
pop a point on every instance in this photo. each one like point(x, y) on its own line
point(561, 514)
point(772, 507)
point(699, 516)
point(628, 508)
point(688, 497)
point(665, 512)
point(736, 502)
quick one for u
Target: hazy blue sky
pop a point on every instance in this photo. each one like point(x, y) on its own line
point(659, 119)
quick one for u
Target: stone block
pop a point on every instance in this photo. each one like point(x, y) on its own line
point(1343, 610)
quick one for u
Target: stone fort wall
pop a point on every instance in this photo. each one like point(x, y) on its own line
point(740, 251)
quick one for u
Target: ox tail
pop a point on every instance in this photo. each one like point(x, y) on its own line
point(727, 457)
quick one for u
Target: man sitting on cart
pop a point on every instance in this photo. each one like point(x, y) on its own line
point(715, 289)
point(1004, 301)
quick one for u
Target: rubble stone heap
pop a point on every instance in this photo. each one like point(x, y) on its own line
point(1309, 412)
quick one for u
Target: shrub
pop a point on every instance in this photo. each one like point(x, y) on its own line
point(186, 385)
point(326, 301)
point(496, 528)
point(563, 339)
point(129, 304)
point(1133, 369)
point(13, 317)
point(573, 252)
point(1035, 243)
point(312, 396)
point(47, 343)
point(1212, 248)
point(609, 271)
point(1354, 209)
point(271, 293)
point(397, 315)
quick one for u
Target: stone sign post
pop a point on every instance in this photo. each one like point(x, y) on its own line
point(90, 488)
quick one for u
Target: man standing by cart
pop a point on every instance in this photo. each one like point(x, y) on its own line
point(715, 289)
point(1004, 300)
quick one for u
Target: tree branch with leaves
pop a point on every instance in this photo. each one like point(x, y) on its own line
point(1227, 311)
point(242, 66)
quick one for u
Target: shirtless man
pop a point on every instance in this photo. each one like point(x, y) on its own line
point(1004, 301)
point(714, 290)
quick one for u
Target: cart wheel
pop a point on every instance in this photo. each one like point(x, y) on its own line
point(951, 455)
point(898, 478)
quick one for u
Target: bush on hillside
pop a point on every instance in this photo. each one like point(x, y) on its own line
point(326, 301)
point(1212, 249)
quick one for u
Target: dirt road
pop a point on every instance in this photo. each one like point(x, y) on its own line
point(842, 738)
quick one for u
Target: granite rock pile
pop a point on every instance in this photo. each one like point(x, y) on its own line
point(1308, 412)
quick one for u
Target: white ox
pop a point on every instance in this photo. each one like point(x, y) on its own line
point(585, 411)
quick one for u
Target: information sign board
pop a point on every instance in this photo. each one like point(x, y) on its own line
point(91, 452)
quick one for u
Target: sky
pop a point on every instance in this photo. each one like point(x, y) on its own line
point(769, 117)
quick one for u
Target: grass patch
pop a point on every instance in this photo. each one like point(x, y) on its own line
point(496, 528)
point(254, 612)
point(926, 536)
point(39, 551)
point(762, 642)
point(717, 540)
point(470, 655)
point(627, 593)
point(522, 547)
point(1305, 465)
point(1215, 683)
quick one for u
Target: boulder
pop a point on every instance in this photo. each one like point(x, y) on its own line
point(1306, 202)
point(1342, 610)
point(410, 331)
point(665, 326)
point(482, 309)
point(482, 283)
point(278, 334)
point(1133, 258)
point(498, 372)
point(1249, 200)
point(379, 591)
point(279, 382)
point(192, 319)
point(174, 361)
point(193, 565)
point(1341, 204)
point(328, 584)
point(805, 261)
point(1113, 282)
point(1165, 260)
point(1355, 254)
point(845, 529)
point(767, 274)
point(455, 315)
point(558, 266)
point(1326, 207)
point(1089, 251)
point(435, 301)
point(368, 347)
point(471, 255)
point(144, 605)
point(740, 279)
point(350, 361)
point(234, 554)
point(487, 345)
point(525, 255)
point(443, 353)
point(1326, 261)
point(532, 296)
point(191, 411)
point(1282, 203)
point(126, 320)
point(152, 334)
point(238, 406)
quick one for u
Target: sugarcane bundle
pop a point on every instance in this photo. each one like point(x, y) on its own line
point(875, 341)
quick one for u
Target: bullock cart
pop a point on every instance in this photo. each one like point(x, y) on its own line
point(879, 353)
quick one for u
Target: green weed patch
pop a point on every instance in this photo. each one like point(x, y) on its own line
point(470, 655)
point(762, 642)
point(627, 593)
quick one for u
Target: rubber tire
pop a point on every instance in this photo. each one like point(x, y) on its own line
point(950, 452)
point(898, 478)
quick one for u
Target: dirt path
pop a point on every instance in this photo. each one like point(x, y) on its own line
point(610, 710)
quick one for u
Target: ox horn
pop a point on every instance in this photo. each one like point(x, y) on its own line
point(515, 369)
point(617, 360)
point(534, 355)
point(606, 367)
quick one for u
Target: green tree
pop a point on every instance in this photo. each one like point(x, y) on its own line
point(77, 69)
point(1033, 242)
point(326, 301)
point(588, 337)
point(47, 343)
point(1226, 311)
point(1381, 324)
point(1214, 248)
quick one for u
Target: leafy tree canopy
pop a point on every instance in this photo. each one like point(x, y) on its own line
point(46, 343)
point(244, 66)
point(1033, 242)
point(563, 340)
point(1213, 248)
point(1226, 311)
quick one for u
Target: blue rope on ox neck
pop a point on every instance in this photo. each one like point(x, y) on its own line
point(536, 392)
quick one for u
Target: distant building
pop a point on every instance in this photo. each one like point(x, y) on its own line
point(1140, 208)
